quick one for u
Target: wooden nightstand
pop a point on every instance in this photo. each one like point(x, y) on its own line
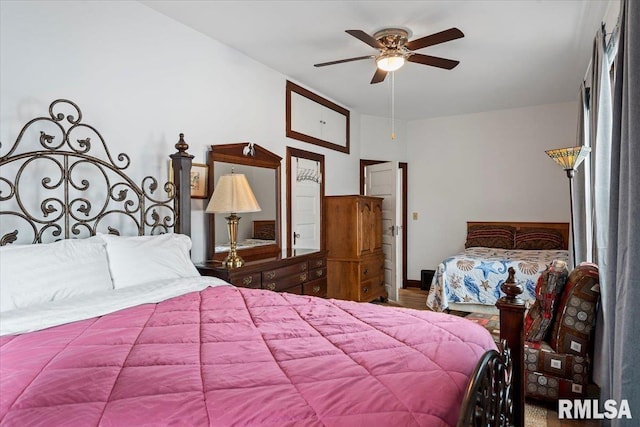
point(302, 272)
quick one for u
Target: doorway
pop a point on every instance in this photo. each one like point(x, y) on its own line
point(403, 166)
point(305, 199)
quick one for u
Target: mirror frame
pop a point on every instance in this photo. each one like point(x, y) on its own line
point(294, 134)
point(263, 158)
point(295, 152)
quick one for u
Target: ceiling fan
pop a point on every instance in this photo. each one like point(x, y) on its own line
point(395, 49)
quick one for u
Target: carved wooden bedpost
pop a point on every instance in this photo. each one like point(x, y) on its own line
point(512, 310)
point(181, 164)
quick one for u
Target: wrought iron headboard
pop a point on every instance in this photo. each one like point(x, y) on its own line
point(52, 188)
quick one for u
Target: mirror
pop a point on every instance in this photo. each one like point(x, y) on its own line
point(258, 232)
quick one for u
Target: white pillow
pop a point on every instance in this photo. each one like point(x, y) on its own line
point(143, 259)
point(35, 274)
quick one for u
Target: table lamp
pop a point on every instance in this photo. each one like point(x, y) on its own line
point(233, 195)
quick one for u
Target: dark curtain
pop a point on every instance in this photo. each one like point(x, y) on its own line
point(621, 292)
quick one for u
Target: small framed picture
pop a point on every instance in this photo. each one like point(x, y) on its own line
point(198, 180)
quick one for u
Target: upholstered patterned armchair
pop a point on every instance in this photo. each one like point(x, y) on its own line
point(559, 366)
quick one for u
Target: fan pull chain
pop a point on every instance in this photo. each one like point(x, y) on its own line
point(393, 105)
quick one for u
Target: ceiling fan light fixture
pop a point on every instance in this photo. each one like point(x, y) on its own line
point(395, 49)
point(390, 61)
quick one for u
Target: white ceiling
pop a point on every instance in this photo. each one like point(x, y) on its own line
point(515, 53)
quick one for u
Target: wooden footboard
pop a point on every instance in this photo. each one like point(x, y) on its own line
point(495, 395)
point(512, 309)
point(487, 401)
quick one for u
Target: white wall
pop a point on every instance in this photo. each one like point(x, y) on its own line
point(376, 142)
point(484, 167)
point(141, 78)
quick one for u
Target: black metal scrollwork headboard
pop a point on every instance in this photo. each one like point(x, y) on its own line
point(51, 188)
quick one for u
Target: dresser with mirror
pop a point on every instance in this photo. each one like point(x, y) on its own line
point(267, 265)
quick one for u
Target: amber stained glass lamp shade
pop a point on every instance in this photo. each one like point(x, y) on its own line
point(569, 159)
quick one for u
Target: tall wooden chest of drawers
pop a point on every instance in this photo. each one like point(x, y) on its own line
point(353, 236)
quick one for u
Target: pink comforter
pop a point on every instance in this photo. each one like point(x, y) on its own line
point(230, 356)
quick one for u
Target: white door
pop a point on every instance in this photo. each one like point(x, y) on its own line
point(305, 203)
point(384, 180)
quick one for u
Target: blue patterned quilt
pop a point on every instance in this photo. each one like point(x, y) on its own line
point(475, 275)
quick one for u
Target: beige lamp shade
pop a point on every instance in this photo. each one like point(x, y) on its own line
point(233, 195)
point(569, 158)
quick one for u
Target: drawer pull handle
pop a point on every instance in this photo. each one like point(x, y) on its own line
point(303, 277)
point(247, 280)
point(303, 267)
point(366, 270)
point(365, 290)
point(270, 286)
point(316, 289)
point(319, 273)
point(270, 275)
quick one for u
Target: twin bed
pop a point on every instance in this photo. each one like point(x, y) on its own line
point(470, 280)
point(103, 329)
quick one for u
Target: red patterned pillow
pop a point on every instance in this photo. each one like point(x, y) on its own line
point(538, 238)
point(548, 290)
point(490, 236)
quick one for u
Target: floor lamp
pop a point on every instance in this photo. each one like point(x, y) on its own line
point(570, 158)
point(233, 195)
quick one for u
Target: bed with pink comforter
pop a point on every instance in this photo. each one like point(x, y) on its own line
point(233, 356)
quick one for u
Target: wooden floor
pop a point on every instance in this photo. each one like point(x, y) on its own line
point(413, 298)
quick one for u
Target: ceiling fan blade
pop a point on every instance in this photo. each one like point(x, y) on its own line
point(362, 36)
point(437, 38)
point(379, 76)
point(340, 61)
point(434, 61)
